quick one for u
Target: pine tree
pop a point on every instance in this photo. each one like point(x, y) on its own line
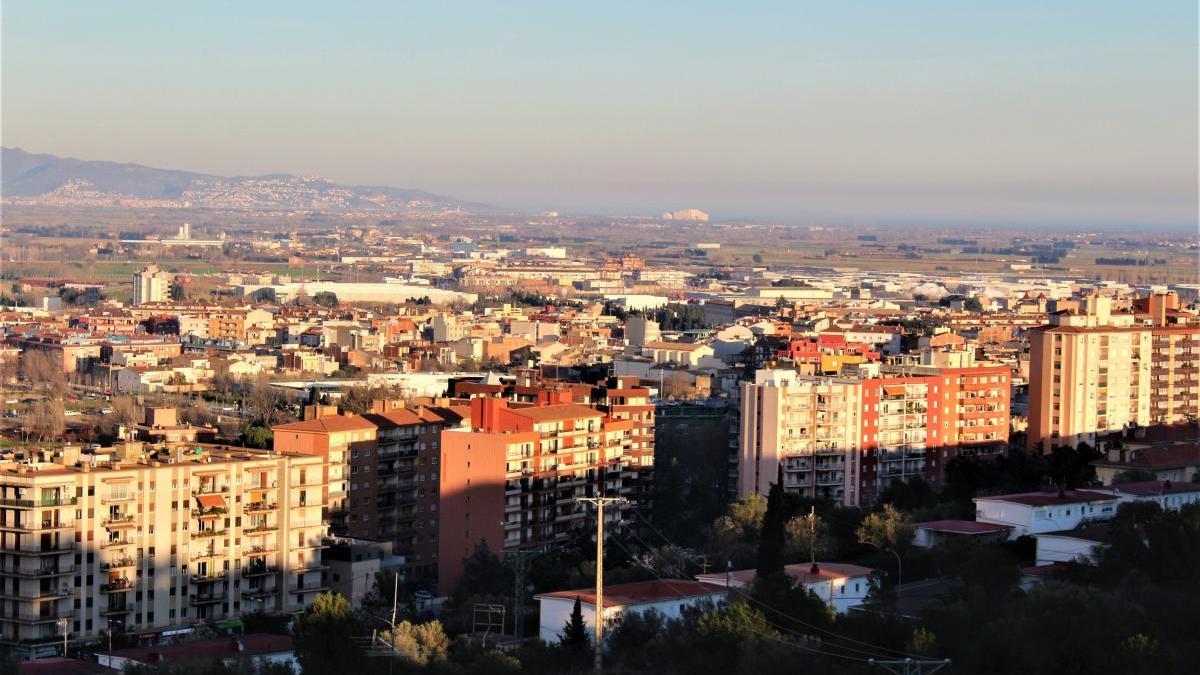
point(574, 634)
point(774, 532)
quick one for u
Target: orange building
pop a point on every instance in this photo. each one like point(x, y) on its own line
point(513, 478)
point(348, 444)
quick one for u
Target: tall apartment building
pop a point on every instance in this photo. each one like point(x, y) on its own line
point(846, 438)
point(347, 444)
point(513, 477)
point(150, 284)
point(154, 542)
point(382, 474)
point(1096, 372)
point(406, 488)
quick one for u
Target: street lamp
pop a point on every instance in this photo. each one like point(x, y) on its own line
point(62, 625)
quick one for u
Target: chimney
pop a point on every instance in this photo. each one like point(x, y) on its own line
point(815, 569)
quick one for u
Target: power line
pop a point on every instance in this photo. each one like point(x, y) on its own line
point(750, 598)
point(768, 636)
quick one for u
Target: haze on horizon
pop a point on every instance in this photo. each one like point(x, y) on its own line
point(1069, 113)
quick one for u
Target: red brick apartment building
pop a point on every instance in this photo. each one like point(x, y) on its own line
point(513, 477)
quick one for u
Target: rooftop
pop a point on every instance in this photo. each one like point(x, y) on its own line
point(963, 526)
point(641, 592)
point(1050, 497)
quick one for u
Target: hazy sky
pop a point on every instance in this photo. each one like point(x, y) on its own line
point(972, 112)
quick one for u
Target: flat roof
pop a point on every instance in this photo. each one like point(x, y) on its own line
point(641, 592)
point(1050, 497)
point(962, 526)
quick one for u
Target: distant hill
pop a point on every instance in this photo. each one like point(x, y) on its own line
point(47, 179)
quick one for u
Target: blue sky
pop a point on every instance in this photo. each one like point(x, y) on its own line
point(962, 112)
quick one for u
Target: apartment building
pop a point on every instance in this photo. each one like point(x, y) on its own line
point(846, 438)
point(347, 444)
point(512, 479)
point(1097, 373)
point(151, 284)
point(154, 540)
point(406, 484)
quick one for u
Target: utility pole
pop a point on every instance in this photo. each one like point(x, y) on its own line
point(520, 560)
point(599, 617)
point(910, 666)
point(63, 623)
point(395, 597)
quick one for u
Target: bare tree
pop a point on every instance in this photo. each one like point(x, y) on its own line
point(46, 420)
point(44, 372)
point(264, 402)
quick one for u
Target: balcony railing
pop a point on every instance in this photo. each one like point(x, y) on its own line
point(209, 577)
point(259, 570)
point(118, 563)
point(260, 507)
point(39, 503)
point(118, 586)
point(37, 572)
point(199, 534)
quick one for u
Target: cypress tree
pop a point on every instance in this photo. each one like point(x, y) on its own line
point(575, 635)
point(774, 536)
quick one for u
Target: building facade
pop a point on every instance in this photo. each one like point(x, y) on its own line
point(847, 438)
point(156, 541)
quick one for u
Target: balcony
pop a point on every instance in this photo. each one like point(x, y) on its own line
point(208, 553)
point(206, 489)
point(259, 550)
point(118, 586)
point(208, 514)
point(39, 503)
point(117, 543)
point(307, 589)
point(38, 572)
point(118, 497)
point(252, 571)
point(209, 577)
point(38, 596)
point(118, 563)
point(207, 598)
point(46, 526)
point(200, 534)
point(259, 593)
point(260, 507)
point(265, 528)
point(31, 618)
point(123, 520)
point(116, 611)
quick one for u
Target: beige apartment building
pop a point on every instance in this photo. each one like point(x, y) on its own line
point(1096, 372)
point(847, 438)
point(155, 540)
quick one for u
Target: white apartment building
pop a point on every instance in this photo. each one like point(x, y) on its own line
point(151, 284)
point(150, 541)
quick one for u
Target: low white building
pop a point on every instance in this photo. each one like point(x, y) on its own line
point(668, 597)
point(839, 585)
point(1052, 511)
point(1081, 545)
point(934, 532)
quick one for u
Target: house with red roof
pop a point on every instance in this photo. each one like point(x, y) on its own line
point(668, 596)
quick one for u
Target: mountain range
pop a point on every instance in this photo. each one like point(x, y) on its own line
point(40, 179)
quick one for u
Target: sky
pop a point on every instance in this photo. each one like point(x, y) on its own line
point(859, 112)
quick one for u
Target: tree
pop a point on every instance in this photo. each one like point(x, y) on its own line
point(326, 299)
point(574, 634)
point(887, 530)
point(734, 536)
point(808, 536)
point(178, 292)
point(774, 536)
point(483, 574)
point(264, 402)
point(257, 436)
point(323, 636)
point(419, 643)
point(1134, 476)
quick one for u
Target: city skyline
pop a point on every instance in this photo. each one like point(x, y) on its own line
point(849, 115)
